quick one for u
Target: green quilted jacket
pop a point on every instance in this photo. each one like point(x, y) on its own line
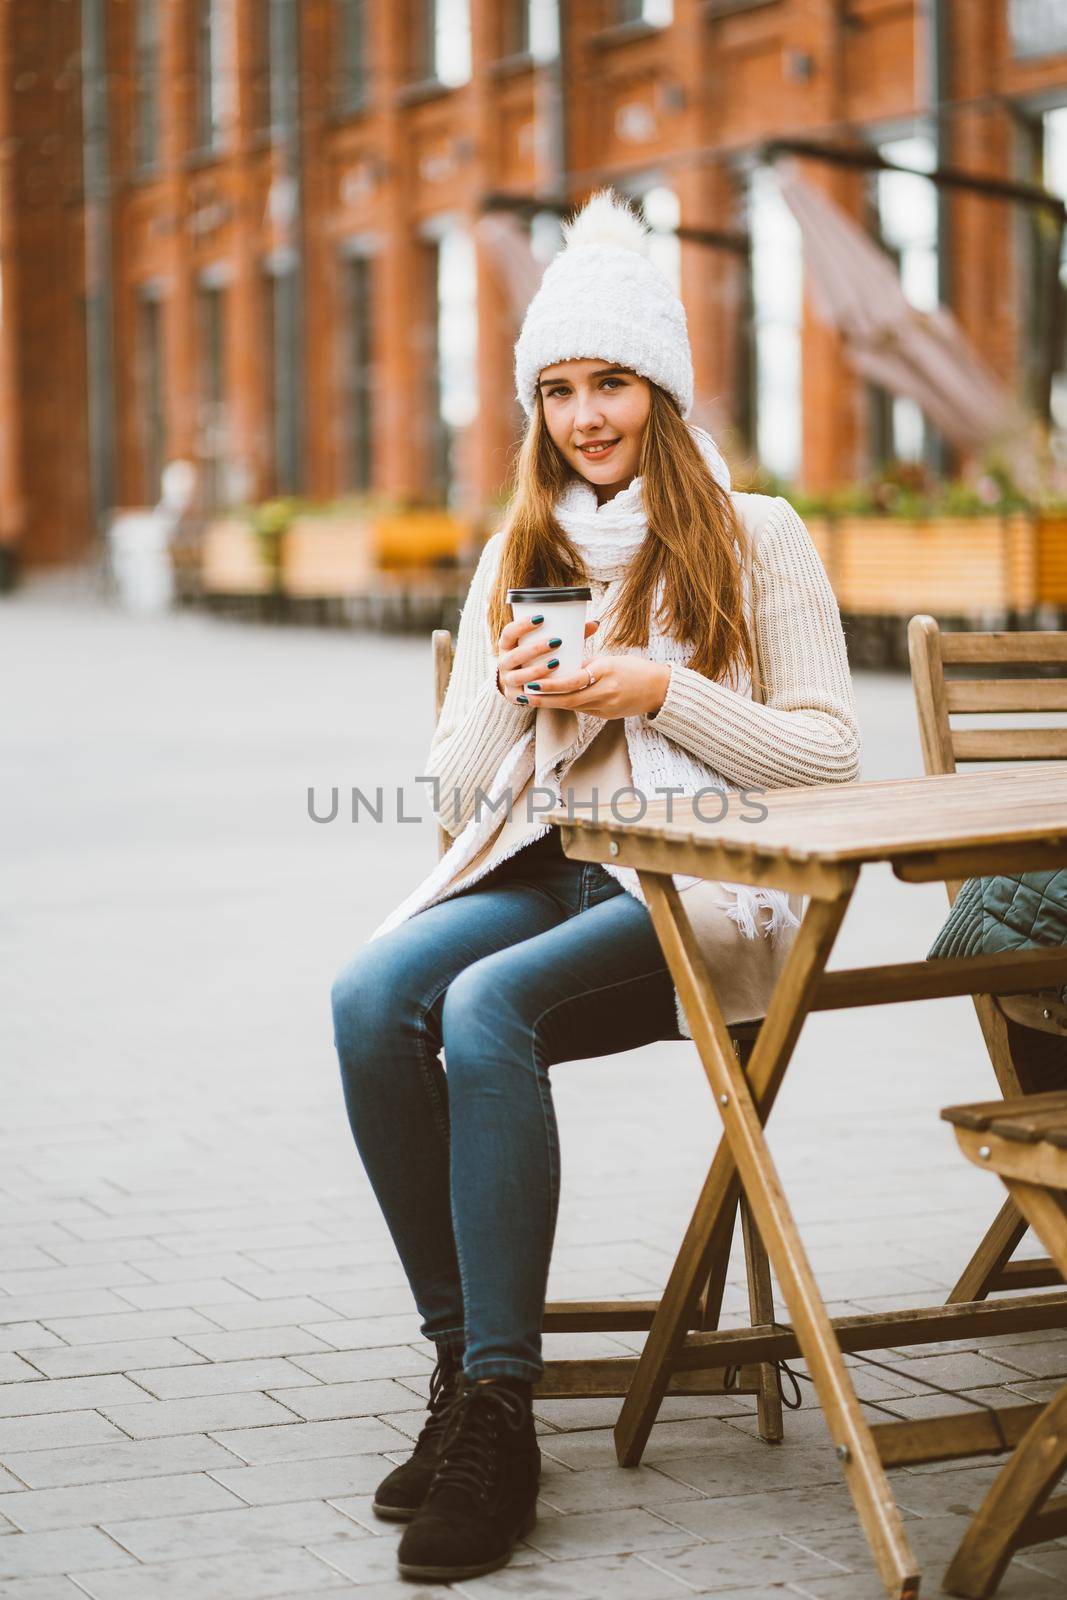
point(1006, 913)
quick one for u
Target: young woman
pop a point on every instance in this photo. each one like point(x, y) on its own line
point(714, 660)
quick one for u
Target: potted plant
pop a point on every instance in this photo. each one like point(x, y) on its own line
point(328, 550)
point(233, 558)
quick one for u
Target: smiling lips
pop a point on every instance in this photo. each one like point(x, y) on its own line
point(599, 447)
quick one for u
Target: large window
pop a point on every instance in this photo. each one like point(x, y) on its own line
point(359, 373)
point(146, 85)
point(274, 55)
point(546, 237)
point(519, 21)
point(664, 215)
point(437, 468)
point(259, 13)
point(656, 12)
point(443, 37)
point(150, 394)
point(906, 216)
point(211, 74)
point(534, 29)
point(776, 296)
point(281, 331)
point(453, 350)
point(351, 52)
point(1047, 356)
point(662, 212)
point(211, 308)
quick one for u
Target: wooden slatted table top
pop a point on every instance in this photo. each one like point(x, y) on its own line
point(859, 822)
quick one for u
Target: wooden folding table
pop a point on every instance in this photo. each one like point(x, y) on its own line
point(816, 841)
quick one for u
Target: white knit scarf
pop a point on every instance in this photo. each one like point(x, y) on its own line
point(607, 537)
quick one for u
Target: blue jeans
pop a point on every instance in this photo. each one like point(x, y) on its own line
point(541, 961)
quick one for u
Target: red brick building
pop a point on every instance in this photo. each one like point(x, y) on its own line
point(246, 232)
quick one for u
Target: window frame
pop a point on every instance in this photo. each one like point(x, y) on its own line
point(352, 90)
point(146, 97)
point(359, 269)
point(150, 387)
point(212, 390)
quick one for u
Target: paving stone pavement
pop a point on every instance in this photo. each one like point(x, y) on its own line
point(208, 1352)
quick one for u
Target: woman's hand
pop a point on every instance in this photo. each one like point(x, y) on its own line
point(624, 686)
point(524, 653)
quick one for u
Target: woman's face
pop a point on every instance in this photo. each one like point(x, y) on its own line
point(596, 414)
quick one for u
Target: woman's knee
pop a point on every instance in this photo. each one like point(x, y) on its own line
point(372, 993)
point(349, 999)
point(486, 1018)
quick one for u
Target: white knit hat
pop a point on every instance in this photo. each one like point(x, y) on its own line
point(602, 298)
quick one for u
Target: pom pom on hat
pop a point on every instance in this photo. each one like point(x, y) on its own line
point(605, 219)
point(602, 298)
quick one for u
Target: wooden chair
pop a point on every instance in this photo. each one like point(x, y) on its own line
point(611, 1375)
point(1025, 1141)
point(1023, 1033)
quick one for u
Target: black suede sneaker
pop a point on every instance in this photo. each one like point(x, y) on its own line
point(483, 1498)
point(401, 1493)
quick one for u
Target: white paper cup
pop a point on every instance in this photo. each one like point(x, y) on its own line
point(564, 611)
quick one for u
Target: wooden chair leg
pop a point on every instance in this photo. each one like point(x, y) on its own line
point(711, 1298)
point(761, 1311)
point(1010, 1517)
point(992, 1256)
point(1020, 1069)
point(1046, 1212)
point(709, 1305)
point(1005, 1520)
point(760, 1297)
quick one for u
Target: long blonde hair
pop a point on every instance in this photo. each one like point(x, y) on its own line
point(692, 527)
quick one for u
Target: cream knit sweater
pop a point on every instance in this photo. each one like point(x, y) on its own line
point(804, 733)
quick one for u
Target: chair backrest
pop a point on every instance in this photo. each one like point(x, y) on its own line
point(441, 643)
point(944, 747)
point(937, 697)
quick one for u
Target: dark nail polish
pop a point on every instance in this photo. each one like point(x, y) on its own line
point(537, 619)
point(554, 644)
point(521, 698)
point(533, 686)
point(554, 662)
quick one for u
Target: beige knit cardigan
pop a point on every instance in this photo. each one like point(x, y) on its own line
point(804, 733)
